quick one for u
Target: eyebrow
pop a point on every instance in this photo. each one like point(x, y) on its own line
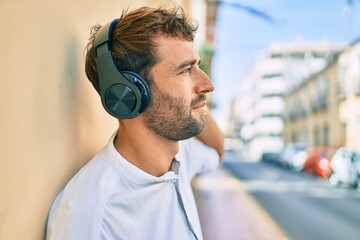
point(187, 63)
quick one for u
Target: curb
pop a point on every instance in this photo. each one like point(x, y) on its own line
point(228, 211)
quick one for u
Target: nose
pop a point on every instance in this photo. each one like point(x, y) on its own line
point(203, 83)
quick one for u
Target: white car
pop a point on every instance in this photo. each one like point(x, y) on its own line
point(345, 167)
point(294, 156)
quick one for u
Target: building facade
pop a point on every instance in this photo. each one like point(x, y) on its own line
point(348, 93)
point(312, 111)
point(277, 69)
point(324, 109)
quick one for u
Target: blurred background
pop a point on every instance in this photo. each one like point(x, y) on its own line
point(287, 71)
point(287, 79)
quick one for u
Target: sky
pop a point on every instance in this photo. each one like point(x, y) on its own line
point(239, 35)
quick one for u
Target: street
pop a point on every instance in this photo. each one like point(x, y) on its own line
point(304, 206)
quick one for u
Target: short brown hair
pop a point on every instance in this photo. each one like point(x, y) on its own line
point(133, 44)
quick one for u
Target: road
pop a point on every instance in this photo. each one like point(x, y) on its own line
point(304, 206)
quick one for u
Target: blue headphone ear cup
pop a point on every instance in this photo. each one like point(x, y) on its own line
point(124, 94)
point(140, 85)
point(120, 100)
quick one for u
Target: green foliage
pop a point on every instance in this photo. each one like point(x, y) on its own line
point(206, 53)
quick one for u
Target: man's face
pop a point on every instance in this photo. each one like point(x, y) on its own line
point(178, 87)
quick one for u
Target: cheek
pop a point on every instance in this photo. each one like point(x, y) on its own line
point(183, 98)
point(177, 88)
point(183, 90)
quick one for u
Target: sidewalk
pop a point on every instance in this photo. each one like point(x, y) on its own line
point(228, 212)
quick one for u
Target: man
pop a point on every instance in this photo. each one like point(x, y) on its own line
point(138, 185)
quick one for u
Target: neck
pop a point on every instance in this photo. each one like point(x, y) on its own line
point(143, 148)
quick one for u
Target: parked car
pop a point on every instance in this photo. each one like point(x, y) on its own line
point(297, 162)
point(293, 156)
point(318, 161)
point(358, 174)
point(270, 157)
point(345, 166)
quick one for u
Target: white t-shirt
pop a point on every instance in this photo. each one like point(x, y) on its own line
point(109, 198)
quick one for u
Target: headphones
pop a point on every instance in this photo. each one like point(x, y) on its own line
point(124, 94)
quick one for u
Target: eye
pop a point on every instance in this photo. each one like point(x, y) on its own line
point(187, 70)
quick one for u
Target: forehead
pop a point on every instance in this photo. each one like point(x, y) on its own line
point(172, 51)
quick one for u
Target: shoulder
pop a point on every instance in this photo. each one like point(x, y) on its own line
point(77, 210)
point(196, 157)
point(193, 146)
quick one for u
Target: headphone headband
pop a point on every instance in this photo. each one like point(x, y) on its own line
point(104, 33)
point(124, 94)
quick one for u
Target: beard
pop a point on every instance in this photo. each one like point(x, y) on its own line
point(171, 117)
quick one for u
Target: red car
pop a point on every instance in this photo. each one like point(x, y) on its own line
point(318, 161)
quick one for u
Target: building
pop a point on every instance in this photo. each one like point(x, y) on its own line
point(312, 110)
point(280, 67)
point(348, 93)
point(324, 109)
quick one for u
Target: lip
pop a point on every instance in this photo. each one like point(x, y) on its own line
point(200, 105)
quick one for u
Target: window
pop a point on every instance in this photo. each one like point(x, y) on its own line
point(276, 55)
point(304, 135)
point(297, 55)
point(293, 137)
point(316, 136)
point(319, 55)
point(271, 95)
point(340, 85)
point(272, 115)
point(326, 135)
point(324, 88)
point(357, 77)
point(272, 75)
point(343, 134)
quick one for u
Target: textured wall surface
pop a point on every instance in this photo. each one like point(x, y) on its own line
point(51, 119)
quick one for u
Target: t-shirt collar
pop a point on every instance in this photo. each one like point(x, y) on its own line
point(134, 173)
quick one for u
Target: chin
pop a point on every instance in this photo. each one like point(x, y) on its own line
point(199, 115)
